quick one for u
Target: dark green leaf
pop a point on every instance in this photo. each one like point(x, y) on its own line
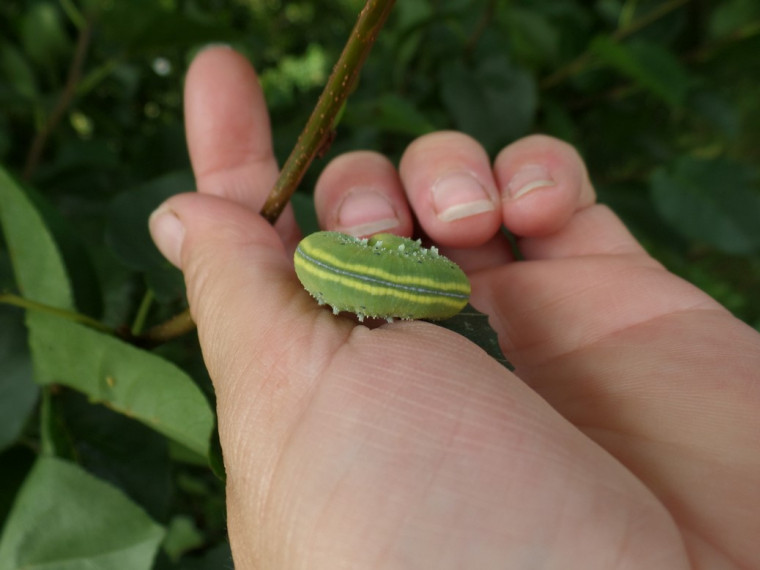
point(18, 392)
point(711, 201)
point(17, 462)
point(534, 38)
point(15, 69)
point(120, 451)
point(495, 103)
point(76, 259)
point(650, 65)
point(127, 231)
point(131, 381)
point(128, 236)
point(717, 112)
point(146, 26)
point(64, 518)
point(390, 114)
point(731, 15)
point(472, 324)
point(43, 35)
point(218, 557)
point(46, 251)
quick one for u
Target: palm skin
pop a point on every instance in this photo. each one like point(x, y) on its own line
point(626, 438)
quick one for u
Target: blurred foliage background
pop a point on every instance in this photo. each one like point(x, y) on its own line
point(660, 97)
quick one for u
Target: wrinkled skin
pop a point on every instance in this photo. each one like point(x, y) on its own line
point(628, 436)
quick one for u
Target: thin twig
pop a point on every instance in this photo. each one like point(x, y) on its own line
point(175, 327)
point(142, 313)
point(318, 129)
point(313, 139)
point(64, 101)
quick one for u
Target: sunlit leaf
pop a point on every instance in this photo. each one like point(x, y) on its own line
point(40, 272)
point(131, 381)
point(64, 518)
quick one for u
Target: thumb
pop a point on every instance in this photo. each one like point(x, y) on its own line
point(242, 291)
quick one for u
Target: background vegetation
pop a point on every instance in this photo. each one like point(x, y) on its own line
point(105, 447)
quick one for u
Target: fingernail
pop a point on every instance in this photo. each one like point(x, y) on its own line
point(214, 45)
point(459, 195)
point(168, 233)
point(364, 212)
point(530, 177)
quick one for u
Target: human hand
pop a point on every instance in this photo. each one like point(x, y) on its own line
point(627, 437)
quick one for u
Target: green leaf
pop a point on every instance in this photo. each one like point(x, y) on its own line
point(127, 231)
point(118, 450)
point(495, 103)
point(732, 15)
point(145, 26)
point(711, 201)
point(15, 69)
point(390, 114)
point(128, 237)
point(43, 35)
point(533, 37)
point(40, 272)
point(182, 535)
point(650, 65)
point(18, 392)
point(131, 381)
point(218, 557)
point(47, 253)
point(75, 257)
point(473, 324)
point(17, 462)
point(64, 518)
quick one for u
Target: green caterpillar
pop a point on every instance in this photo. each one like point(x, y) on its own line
point(385, 276)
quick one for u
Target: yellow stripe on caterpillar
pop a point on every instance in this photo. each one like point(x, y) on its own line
point(385, 245)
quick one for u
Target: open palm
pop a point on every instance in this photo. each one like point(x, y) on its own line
point(626, 438)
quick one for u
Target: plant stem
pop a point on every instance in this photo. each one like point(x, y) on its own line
point(63, 103)
point(16, 301)
point(313, 140)
point(581, 62)
point(318, 130)
point(175, 327)
point(142, 313)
